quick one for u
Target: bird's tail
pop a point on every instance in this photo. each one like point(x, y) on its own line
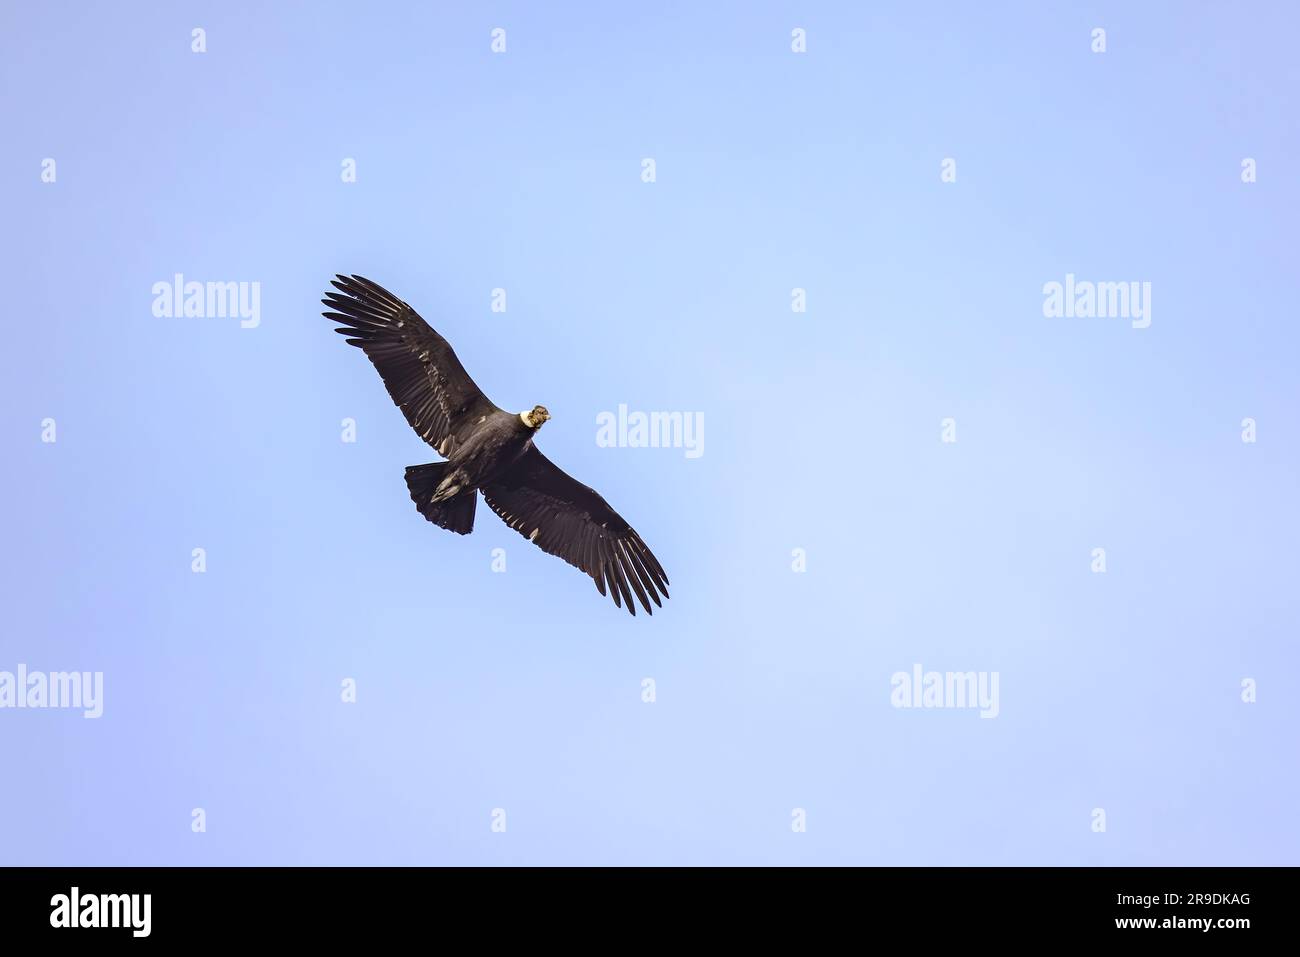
point(454, 514)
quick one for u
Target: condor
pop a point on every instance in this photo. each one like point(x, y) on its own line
point(488, 450)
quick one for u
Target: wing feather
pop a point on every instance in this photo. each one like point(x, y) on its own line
point(419, 368)
point(573, 522)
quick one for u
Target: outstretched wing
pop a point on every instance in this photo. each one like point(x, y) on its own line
point(418, 366)
point(566, 518)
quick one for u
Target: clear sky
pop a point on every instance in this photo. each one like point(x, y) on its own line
point(1119, 691)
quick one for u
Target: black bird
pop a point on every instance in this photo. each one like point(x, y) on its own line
point(488, 450)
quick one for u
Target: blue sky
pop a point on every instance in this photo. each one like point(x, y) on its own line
point(774, 171)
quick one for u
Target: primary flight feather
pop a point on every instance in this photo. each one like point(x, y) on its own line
point(488, 450)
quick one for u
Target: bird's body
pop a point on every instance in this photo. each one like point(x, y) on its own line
point(488, 449)
point(496, 443)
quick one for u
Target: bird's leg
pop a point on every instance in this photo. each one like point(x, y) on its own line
point(450, 486)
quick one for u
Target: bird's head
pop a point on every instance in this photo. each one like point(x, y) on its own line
point(535, 417)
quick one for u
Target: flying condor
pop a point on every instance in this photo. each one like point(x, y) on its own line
point(488, 450)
